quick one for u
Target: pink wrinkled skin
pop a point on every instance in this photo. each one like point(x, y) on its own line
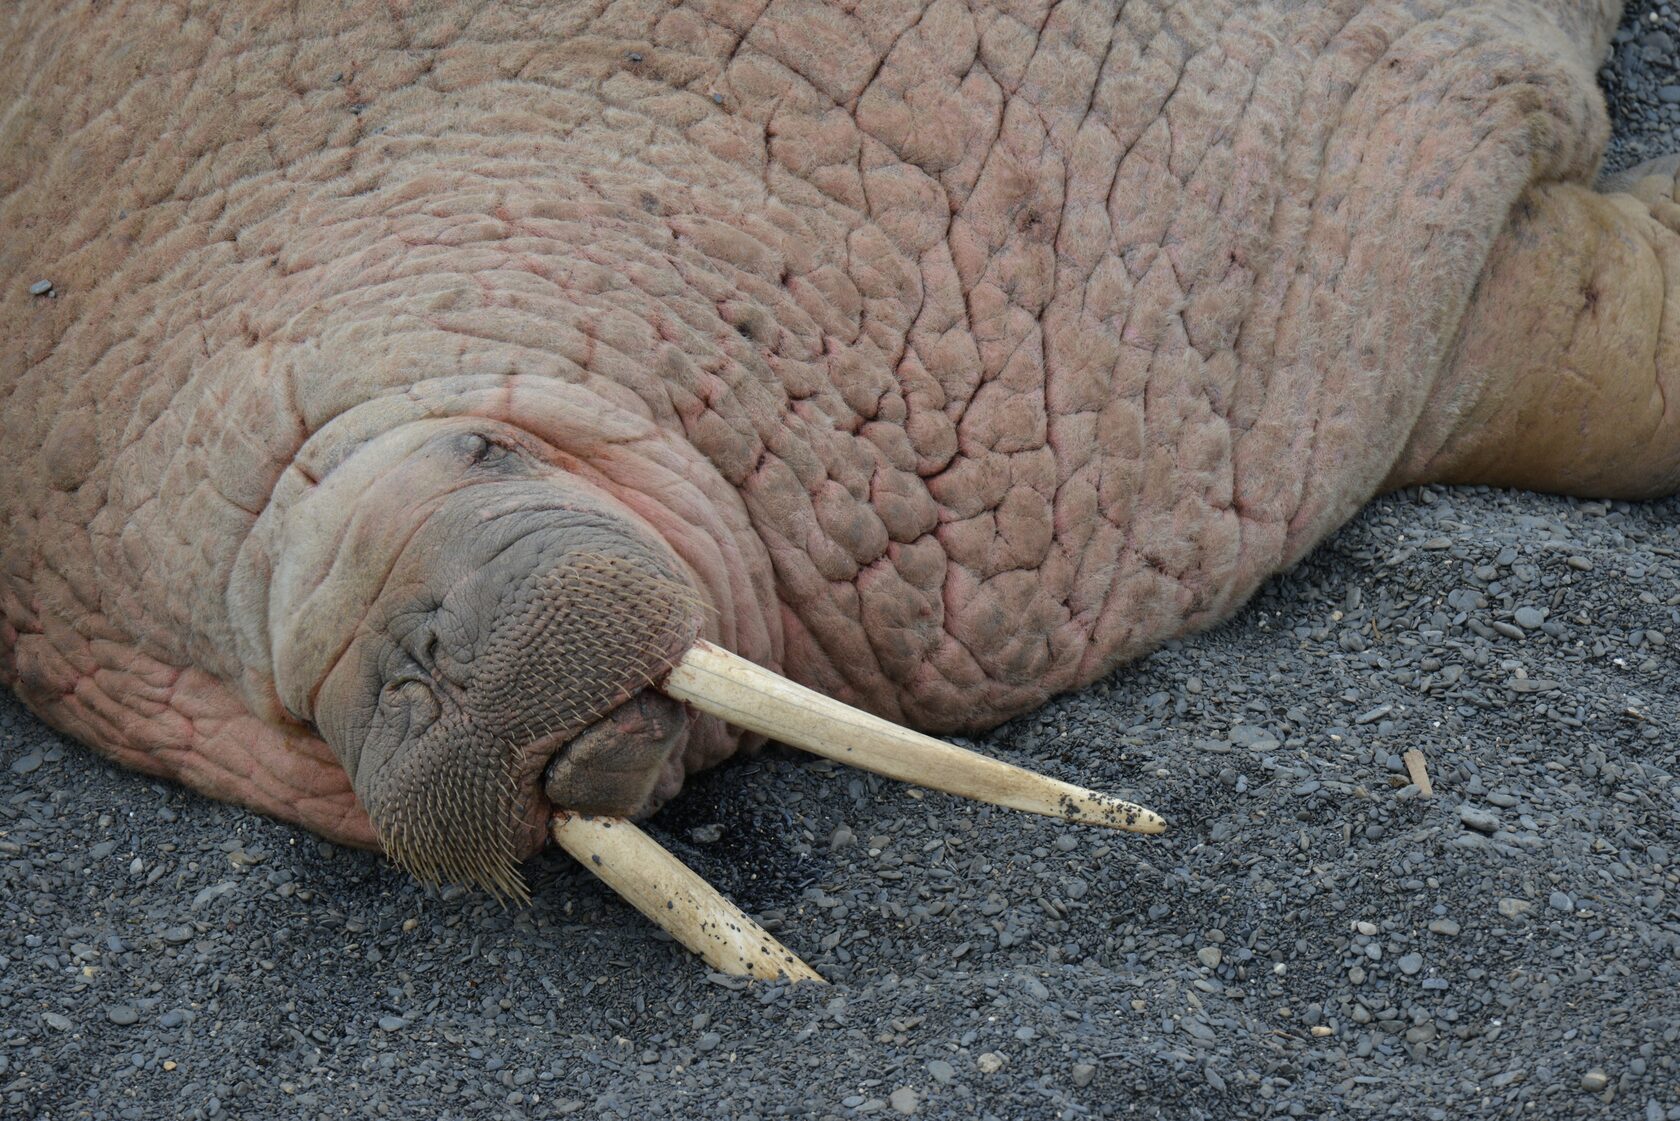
point(963, 352)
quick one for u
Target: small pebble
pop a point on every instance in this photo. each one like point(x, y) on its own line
point(1594, 1080)
point(904, 1100)
point(1210, 956)
point(122, 1015)
point(1410, 963)
point(1558, 901)
point(1083, 1073)
point(392, 1023)
point(941, 1071)
point(990, 1062)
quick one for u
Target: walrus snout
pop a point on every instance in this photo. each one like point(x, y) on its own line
point(538, 699)
point(490, 615)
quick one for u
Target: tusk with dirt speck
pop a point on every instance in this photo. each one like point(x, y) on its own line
point(671, 894)
point(749, 696)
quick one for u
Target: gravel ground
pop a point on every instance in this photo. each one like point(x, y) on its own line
point(1312, 939)
point(1642, 83)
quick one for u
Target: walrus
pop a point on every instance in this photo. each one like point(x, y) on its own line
point(435, 424)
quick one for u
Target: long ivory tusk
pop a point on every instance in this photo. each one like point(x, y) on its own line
point(751, 697)
point(667, 891)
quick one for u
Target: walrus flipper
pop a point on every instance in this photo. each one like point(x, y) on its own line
point(1566, 373)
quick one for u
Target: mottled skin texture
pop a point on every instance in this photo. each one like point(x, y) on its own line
point(942, 356)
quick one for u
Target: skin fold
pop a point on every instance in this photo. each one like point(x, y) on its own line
point(420, 379)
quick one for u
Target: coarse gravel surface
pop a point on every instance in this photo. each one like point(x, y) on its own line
point(1641, 81)
point(1312, 938)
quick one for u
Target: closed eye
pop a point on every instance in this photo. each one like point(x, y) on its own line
point(480, 450)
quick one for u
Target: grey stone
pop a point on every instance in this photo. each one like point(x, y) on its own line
point(1477, 818)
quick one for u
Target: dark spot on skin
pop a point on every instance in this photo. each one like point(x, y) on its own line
point(744, 330)
point(594, 858)
point(1590, 296)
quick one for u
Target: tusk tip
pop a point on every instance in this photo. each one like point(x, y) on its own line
point(1150, 823)
point(1113, 813)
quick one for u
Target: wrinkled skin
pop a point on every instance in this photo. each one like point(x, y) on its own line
point(422, 378)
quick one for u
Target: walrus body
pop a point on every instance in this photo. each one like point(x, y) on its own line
point(419, 379)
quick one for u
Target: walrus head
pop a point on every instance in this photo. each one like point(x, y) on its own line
point(495, 647)
point(474, 632)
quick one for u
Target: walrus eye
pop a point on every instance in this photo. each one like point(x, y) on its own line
point(480, 450)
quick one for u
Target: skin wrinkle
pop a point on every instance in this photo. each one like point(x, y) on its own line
point(1105, 358)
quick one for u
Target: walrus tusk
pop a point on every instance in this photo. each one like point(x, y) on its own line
point(729, 687)
point(667, 891)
